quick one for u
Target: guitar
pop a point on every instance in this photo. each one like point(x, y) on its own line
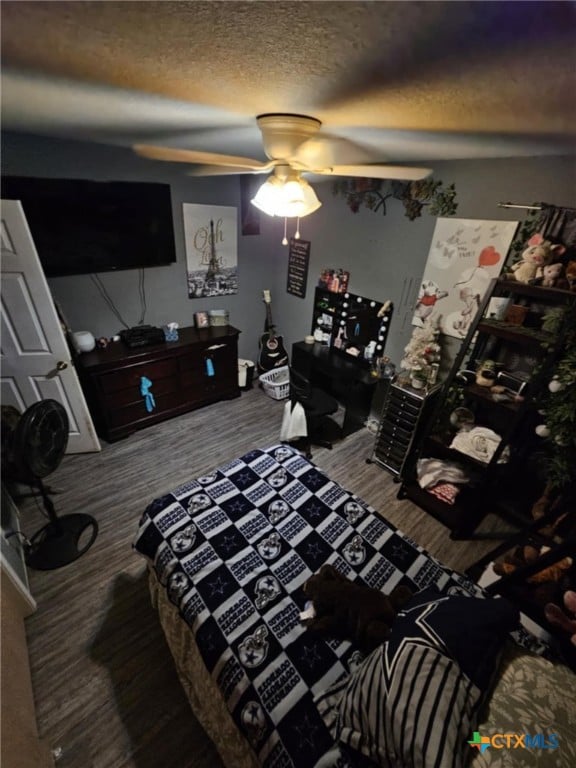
point(272, 353)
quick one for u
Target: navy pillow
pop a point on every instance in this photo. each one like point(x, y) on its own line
point(415, 700)
point(469, 629)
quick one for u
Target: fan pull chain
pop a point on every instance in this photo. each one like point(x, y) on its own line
point(285, 239)
point(297, 233)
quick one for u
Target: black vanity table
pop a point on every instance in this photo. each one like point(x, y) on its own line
point(345, 378)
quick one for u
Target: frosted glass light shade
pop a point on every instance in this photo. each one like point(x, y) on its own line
point(293, 198)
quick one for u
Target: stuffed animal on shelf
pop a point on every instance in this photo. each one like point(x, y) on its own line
point(570, 274)
point(557, 617)
point(537, 254)
point(528, 555)
point(349, 611)
point(552, 276)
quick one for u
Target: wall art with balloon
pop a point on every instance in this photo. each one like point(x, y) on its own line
point(464, 256)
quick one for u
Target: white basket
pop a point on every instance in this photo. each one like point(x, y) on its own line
point(276, 383)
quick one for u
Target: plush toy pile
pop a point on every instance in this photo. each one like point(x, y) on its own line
point(349, 611)
point(541, 264)
point(554, 586)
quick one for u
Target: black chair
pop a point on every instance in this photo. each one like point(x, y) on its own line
point(318, 406)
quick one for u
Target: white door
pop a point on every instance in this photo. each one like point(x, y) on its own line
point(36, 362)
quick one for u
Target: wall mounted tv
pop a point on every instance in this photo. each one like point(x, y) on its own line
point(81, 227)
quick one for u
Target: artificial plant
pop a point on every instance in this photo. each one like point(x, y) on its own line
point(558, 404)
point(415, 195)
point(423, 349)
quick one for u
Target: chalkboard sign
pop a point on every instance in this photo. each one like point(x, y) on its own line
point(298, 259)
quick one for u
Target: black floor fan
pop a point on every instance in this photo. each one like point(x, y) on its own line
point(35, 447)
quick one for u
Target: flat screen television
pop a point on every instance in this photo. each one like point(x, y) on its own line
point(81, 227)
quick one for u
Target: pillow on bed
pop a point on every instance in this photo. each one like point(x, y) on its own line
point(415, 700)
point(536, 696)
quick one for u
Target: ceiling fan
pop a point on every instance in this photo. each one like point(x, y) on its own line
point(294, 144)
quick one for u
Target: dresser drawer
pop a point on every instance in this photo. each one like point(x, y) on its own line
point(136, 412)
point(129, 377)
point(132, 395)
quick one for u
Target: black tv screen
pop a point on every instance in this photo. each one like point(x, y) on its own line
point(82, 227)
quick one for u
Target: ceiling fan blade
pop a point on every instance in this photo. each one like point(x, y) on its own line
point(175, 155)
point(377, 171)
point(328, 150)
point(223, 170)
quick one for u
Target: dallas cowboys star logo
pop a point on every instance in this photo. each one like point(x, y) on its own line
point(228, 543)
point(218, 586)
point(237, 507)
point(314, 510)
point(306, 732)
point(243, 478)
point(315, 480)
point(310, 656)
point(314, 550)
point(399, 551)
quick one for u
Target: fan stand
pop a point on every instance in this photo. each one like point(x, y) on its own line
point(59, 543)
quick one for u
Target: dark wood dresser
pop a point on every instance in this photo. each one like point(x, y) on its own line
point(200, 368)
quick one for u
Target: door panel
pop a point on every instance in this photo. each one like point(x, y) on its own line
point(36, 361)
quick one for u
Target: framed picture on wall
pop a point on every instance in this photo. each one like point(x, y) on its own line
point(210, 234)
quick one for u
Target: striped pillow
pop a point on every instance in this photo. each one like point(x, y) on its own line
point(414, 701)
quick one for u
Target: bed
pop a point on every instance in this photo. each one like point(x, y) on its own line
point(228, 555)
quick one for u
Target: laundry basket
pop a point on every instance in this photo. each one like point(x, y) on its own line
point(276, 383)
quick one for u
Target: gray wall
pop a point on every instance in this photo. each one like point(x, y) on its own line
point(385, 255)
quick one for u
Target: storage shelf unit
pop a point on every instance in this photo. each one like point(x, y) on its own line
point(518, 586)
point(506, 483)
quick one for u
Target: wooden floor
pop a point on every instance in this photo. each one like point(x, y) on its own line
point(106, 692)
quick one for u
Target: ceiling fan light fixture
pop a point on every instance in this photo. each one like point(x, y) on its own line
point(288, 197)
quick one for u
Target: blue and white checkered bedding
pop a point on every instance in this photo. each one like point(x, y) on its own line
point(233, 549)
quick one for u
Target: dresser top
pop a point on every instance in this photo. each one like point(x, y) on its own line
point(117, 352)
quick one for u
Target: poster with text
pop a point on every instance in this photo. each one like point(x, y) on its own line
point(464, 256)
point(211, 236)
point(298, 260)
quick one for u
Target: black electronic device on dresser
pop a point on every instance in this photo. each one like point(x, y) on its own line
point(142, 336)
point(130, 388)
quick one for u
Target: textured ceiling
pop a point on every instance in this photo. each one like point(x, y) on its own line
point(410, 80)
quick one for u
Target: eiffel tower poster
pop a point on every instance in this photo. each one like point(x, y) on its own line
point(210, 233)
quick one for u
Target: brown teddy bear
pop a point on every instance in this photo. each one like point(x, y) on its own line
point(349, 611)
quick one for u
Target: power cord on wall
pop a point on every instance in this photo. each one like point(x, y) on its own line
point(142, 292)
point(110, 304)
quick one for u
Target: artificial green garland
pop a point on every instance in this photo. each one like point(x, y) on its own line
point(415, 195)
